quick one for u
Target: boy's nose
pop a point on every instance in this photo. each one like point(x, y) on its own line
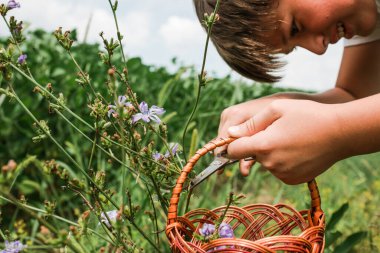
point(315, 43)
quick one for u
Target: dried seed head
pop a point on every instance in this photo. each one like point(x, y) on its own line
point(111, 72)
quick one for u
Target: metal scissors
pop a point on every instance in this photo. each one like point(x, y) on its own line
point(218, 163)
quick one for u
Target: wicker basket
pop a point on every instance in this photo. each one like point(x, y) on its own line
point(259, 228)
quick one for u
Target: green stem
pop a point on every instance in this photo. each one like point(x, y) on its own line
point(137, 227)
point(100, 147)
point(51, 96)
point(82, 72)
point(34, 215)
point(163, 202)
point(200, 81)
point(63, 150)
point(17, 45)
point(118, 32)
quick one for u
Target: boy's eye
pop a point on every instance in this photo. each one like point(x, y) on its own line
point(294, 29)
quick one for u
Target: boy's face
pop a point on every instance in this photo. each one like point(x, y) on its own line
point(314, 24)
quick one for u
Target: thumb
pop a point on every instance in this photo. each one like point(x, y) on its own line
point(255, 124)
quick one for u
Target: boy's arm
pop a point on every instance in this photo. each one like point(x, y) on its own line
point(359, 72)
point(359, 77)
point(297, 139)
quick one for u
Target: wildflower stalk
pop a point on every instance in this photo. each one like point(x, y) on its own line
point(17, 44)
point(110, 140)
point(117, 237)
point(201, 76)
point(34, 215)
point(123, 170)
point(229, 202)
point(82, 73)
point(167, 147)
point(63, 150)
point(137, 227)
point(163, 202)
point(155, 216)
point(51, 95)
point(119, 36)
point(94, 144)
point(1, 231)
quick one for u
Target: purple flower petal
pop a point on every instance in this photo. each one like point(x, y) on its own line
point(155, 118)
point(156, 110)
point(156, 156)
point(207, 229)
point(144, 107)
point(173, 149)
point(121, 100)
point(21, 59)
point(13, 247)
point(112, 215)
point(111, 112)
point(226, 231)
point(13, 4)
point(136, 117)
point(145, 118)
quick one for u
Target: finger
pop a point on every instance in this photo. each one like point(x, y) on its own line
point(245, 166)
point(255, 124)
point(251, 146)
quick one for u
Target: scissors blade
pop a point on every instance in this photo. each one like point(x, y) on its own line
point(218, 163)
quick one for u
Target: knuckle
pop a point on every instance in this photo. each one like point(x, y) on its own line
point(227, 112)
point(276, 106)
point(264, 146)
point(231, 111)
point(269, 165)
point(250, 125)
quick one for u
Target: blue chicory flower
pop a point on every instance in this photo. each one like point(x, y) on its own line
point(13, 247)
point(225, 230)
point(156, 156)
point(12, 4)
point(207, 229)
point(112, 215)
point(121, 102)
point(147, 114)
point(174, 149)
point(21, 59)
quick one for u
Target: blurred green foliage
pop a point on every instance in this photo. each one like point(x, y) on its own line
point(355, 181)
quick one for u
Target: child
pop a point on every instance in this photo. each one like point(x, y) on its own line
point(298, 136)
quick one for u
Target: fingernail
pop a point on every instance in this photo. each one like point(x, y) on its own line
point(233, 130)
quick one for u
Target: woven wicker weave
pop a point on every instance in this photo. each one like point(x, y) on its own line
point(259, 228)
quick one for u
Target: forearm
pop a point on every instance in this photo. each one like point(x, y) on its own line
point(359, 124)
point(333, 96)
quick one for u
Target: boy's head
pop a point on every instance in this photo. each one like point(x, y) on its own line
point(241, 35)
point(250, 33)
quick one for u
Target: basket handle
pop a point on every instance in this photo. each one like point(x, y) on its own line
point(315, 210)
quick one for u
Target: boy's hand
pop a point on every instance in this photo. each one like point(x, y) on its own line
point(238, 114)
point(295, 140)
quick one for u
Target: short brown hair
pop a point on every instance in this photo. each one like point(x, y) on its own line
point(239, 35)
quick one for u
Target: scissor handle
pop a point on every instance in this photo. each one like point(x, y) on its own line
point(315, 209)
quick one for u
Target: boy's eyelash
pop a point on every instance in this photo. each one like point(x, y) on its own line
point(294, 29)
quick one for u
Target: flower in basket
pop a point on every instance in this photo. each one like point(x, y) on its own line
point(226, 231)
point(207, 230)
